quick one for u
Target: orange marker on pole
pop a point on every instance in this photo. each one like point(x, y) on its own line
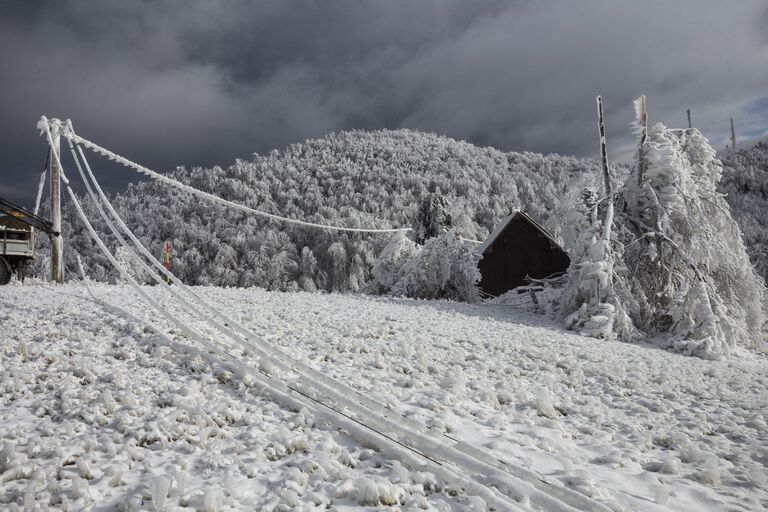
point(168, 259)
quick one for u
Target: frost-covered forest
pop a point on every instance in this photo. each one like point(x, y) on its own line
point(677, 263)
point(354, 179)
point(745, 181)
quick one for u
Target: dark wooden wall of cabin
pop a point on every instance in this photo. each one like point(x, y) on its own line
point(519, 250)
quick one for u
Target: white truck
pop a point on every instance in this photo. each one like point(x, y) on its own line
point(17, 238)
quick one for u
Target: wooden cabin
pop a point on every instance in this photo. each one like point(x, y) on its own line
point(517, 248)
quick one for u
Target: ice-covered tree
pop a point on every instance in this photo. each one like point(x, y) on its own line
point(307, 270)
point(690, 266)
point(388, 267)
point(339, 280)
point(433, 218)
point(594, 306)
point(680, 268)
point(745, 183)
point(591, 302)
point(445, 267)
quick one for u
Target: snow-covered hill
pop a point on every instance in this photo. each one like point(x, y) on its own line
point(745, 181)
point(357, 179)
point(97, 410)
point(360, 178)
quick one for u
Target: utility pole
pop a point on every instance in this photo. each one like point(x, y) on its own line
point(690, 125)
point(608, 222)
point(642, 110)
point(733, 136)
point(57, 244)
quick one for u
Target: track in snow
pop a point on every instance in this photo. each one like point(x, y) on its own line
point(501, 484)
point(363, 418)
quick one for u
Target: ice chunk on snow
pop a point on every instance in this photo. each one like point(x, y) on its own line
point(159, 490)
point(7, 457)
point(366, 492)
point(711, 474)
point(543, 403)
point(211, 500)
point(476, 503)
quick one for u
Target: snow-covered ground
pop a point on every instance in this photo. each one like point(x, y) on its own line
point(99, 412)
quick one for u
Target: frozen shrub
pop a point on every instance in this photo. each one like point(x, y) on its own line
point(296, 443)
point(116, 480)
point(711, 474)
point(29, 492)
point(381, 492)
point(445, 267)
point(388, 267)
point(7, 457)
point(84, 469)
point(366, 492)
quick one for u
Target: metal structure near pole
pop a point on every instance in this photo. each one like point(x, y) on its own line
point(733, 137)
point(57, 243)
point(690, 125)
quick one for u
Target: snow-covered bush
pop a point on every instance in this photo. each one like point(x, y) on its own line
point(159, 488)
point(388, 267)
point(445, 267)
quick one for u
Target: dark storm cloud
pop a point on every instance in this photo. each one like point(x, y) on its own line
point(200, 82)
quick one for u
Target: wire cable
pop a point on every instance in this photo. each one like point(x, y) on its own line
point(211, 197)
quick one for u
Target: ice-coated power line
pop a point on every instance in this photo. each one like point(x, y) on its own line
point(211, 197)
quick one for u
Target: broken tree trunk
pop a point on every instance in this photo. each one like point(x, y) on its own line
point(606, 173)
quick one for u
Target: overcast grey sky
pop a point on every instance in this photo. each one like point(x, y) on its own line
point(202, 82)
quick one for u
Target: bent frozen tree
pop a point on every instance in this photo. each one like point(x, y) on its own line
point(682, 271)
point(591, 304)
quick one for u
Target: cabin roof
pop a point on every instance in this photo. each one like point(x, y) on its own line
point(501, 226)
point(9, 222)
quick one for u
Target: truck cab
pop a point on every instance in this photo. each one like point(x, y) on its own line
point(17, 239)
point(17, 247)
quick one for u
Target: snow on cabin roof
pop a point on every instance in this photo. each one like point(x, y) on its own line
point(9, 222)
point(501, 226)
